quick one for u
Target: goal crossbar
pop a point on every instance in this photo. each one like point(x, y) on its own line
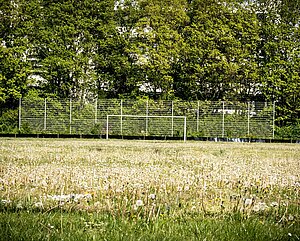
point(146, 117)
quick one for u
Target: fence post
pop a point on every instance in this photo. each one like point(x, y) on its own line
point(147, 113)
point(107, 127)
point(70, 116)
point(248, 118)
point(198, 116)
point(20, 112)
point(274, 113)
point(96, 106)
point(121, 124)
point(223, 120)
point(184, 131)
point(172, 119)
point(45, 115)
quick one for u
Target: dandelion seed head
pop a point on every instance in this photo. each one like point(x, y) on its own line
point(19, 206)
point(38, 205)
point(139, 203)
point(3, 201)
point(152, 196)
point(248, 201)
point(274, 204)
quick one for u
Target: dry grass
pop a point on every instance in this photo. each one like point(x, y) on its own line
point(149, 179)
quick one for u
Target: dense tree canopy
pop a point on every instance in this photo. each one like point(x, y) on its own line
point(186, 49)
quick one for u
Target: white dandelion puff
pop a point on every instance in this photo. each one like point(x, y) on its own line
point(152, 196)
point(139, 203)
point(261, 206)
point(274, 204)
point(39, 205)
point(248, 201)
point(5, 201)
point(19, 206)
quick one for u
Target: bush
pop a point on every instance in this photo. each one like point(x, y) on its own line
point(291, 132)
point(9, 121)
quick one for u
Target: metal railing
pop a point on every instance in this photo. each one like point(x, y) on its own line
point(203, 118)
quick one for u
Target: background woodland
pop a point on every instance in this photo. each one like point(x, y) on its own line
point(157, 49)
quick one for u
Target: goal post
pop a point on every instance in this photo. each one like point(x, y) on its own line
point(146, 125)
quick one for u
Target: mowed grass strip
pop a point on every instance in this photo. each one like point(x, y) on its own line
point(147, 190)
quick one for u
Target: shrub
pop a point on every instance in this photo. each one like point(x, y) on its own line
point(9, 121)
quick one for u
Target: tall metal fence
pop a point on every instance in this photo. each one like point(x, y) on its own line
point(203, 118)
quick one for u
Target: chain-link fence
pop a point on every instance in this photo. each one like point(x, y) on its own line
point(203, 118)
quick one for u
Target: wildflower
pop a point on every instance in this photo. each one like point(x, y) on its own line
point(256, 208)
point(5, 201)
point(50, 226)
point(261, 206)
point(179, 189)
point(60, 198)
point(44, 183)
point(248, 201)
point(152, 196)
point(77, 197)
point(139, 203)
point(19, 206)
point(39, 205)
point(138, 185)
point(88, 196)
point(70, 197)
point(274, 204)
point(118, 190)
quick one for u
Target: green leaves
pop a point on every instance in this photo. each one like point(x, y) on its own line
point(207, 50)
point(279, 58)
point(219, 55)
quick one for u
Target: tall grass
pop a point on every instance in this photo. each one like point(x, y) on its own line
point(139, 190)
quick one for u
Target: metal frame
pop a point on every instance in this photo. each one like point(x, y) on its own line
point(205, 119)
point(146, 118)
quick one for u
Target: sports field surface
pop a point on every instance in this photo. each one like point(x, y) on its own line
point(62, 189)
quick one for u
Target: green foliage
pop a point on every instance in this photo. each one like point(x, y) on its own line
point(279, 58)
point(83, 226)
point(189, 50)
point(9, 121)
point(218, 61)
point(288, 132)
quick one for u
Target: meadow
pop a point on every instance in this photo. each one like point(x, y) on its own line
point(58, 189)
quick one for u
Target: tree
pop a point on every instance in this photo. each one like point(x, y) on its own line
point(65, 47)
point(219, 60)
point(15, 23)
point(114, 66)
point(279, 57)
point(158, 43)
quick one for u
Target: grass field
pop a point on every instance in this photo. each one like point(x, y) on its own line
point(146, 190)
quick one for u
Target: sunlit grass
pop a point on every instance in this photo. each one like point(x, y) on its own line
point(173, 189)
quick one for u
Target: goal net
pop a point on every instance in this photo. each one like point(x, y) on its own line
point(139, 125)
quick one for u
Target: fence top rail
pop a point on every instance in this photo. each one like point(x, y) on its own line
point(149, 116)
